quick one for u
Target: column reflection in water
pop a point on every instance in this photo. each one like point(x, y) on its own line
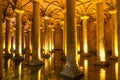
point(47, 68)
point(18, 70)
point(116, 71)
point(39, 74)
point(102, 74)
point(85, 69)
point(6, 68)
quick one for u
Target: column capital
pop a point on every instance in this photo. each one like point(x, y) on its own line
point(84, 17)
point(114, 11)
point(8, 17)
point(36, 0)
point(19, 11)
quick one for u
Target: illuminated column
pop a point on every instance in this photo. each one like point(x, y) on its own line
point(114, 35)
point(51, 35)
point(46, 47)
point(23, 38)
point(118, 31)
point(7, 38)
point(85, 41)
point(1, 43)
point(52, 41)
point(36, 35)
point(71, 68)
point(64, 36)
point(18, 32)
point(27, 40)
point(101, 58)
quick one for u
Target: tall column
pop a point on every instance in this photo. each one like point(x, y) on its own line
point(71, 68)
point(85, 40)
point(23, 38)
point(18, 40)
point(46, 38)
point(1, 43)
point(118, 31)
point(7, 38)
point(101, 57)
point(64, 36)
point(36, 35)
point(114, 35)
point(46, 47)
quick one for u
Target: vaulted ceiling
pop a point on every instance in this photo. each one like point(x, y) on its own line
point(54, 9)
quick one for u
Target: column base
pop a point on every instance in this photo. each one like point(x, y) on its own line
point(101, 63)
point(113, 58)
point(17, 58)
point(85, 55)
point(71, 72)
point(7, 55)
point(46, 56)
point(35, 63)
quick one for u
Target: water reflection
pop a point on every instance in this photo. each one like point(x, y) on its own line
point(116, 71)
point(17, 70)
point(85, 69)
point(53, 66)
point(102, 74)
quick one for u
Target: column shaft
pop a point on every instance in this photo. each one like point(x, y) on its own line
point(100, 32)
point(114, 36)
point(23, 38)
point(71, 68)
point(7, 37)
point(46, 31)
point(36, 35)
point(64, 36)
point(35, 29)
point(85, 46)
point(18, 34)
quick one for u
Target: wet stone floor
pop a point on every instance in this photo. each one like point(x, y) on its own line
point(53, 66)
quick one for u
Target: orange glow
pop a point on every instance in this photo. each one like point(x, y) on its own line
point(85, 36)
point(85, 48)
point(20, 47)
point(20, 71)
point(39, 74)
point(102, 74)
point(86, 69)
point(46, 18)
point(78, 47)
point(116, 71)
point(84, 17)
point(102, 55)
point(9, 63)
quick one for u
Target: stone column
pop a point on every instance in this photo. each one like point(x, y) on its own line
point(101, 56)
point(118, 31)
point(52, 41)
point(64, 37)
point(46, 38)
point(46, 47)
point(85, 41)
point(1, 43)
point(36, 34)
point(7, 38)
point(114, 35)
point(71, 68)
point(23, 38)
point(18, 40)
